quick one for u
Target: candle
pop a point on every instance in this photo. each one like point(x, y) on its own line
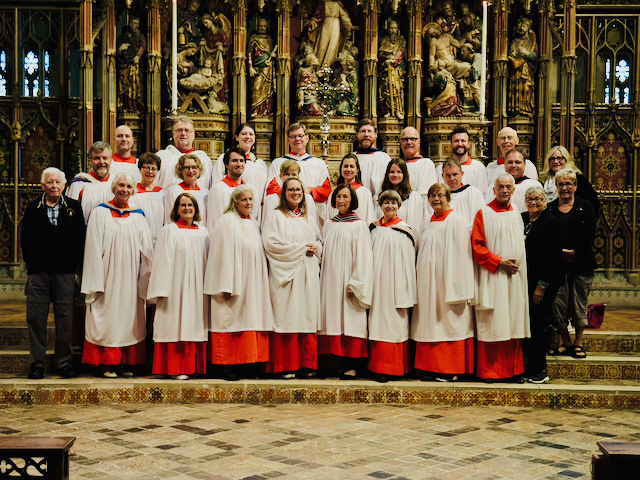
point(483, 73)
point(174, 60)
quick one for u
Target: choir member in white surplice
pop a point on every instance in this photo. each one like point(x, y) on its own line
point(93, 188)
point(255, 170)
point(421, 169)
point(123, 162)
point(184, 135)
point(507, 140)
point(394, 290)
point(150, 197)
point(237, 280)
point(442, 321)
point(346, 280)
point(502, 308)
point(350, 174)
point(117, 263)
point(220, 193)
point(288, 168)
point(475, 173)
point(314, 173)
point(294, 250)
point(515, 166)
point(373, 162)
point(397, 178)
point(177, 285)
point(189, 169)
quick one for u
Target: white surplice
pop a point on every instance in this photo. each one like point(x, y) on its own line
point(175, 191)
point(446, 282)
point(294, 277)
point(177, 282)
point(372, 169)
point(394, 284)
point(117, 263)
point(466, 202)
point(502, 311)
point(422, 174)
point(474, 173)
point(89, 192)
point(125, 168)
point(517, 198)
point(237, 265)
point(170, 156)
point(255, 174)
point(411, 211)
point(218, 202)
point(272, 201)
point(347, 263)
point(365, 210)
point(152, 204)
point(494, 170)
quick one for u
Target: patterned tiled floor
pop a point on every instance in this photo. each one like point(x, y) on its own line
point(235, 441)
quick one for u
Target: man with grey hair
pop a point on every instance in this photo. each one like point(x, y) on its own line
point(507, 140)
point(52, 242)
point(514, 164)
point(184, 134)
point(93, 188)
point(502, 308)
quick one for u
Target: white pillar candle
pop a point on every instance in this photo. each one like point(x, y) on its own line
point(174, 60)
point(483, 73)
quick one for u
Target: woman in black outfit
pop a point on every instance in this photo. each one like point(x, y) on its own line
point(577, 228)
point(544, 274)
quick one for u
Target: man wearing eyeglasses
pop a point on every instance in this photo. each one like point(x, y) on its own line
point(507, 140)
point(514, 164)
point(373, 162)
point(422, 171)
point(475, 173)
point(184, 135)
point(502, 308)
point(122, 161)
point(314, 173)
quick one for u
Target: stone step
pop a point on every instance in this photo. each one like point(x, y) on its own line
point(595, 367)
point(92, 390)
point(18, 361)
point(614, 342)
point(17, 337)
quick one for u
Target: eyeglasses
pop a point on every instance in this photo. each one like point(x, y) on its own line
point(183, 130)
point(409, 139)
point(555, 159)
point(565, 185)
point(439, 196)
point(149, 169)
point(186, 168)
point(296, 137)
point(534, 200)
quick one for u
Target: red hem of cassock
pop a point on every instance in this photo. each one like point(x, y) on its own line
point(455, 358)
point(389, 358)
point(343, 346)
point(289, 352)
point(93, 354)
point(179, 358)
point(499, 359)
point(236, 348)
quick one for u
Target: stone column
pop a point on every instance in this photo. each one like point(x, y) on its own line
point(634, 276)
point(414, 84)
point(567, 112)
point(370, 97)
point(154, 76)
point(543, 121)
point(239, 108)
point(500, 69)
point(16, 137)
point(86, 87)
point(110, 88)
point(283, 81)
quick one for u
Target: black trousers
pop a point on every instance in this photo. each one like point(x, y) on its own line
point(42, 289)
point(535, 350)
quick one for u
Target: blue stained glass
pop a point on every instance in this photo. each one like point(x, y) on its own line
point(622, 70)
point(3, 61)
point(3, 68)
point(606, 94)
point(617, 94)
point(626, 94)
point(35, 87)
point(46, 87)
point(46, 62)
point(607, 69)
point(3, 87)
point(26, 87)
point(31, 63)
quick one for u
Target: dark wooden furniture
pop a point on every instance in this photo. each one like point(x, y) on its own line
point(25, 457)
point(619, 461)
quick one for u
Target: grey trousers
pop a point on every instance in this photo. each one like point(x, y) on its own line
point(42, 289)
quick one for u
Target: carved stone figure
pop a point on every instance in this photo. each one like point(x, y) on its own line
point(307, 85)
point(331, 25)
point(215, 45)
point(347, 100)
point(391, 72)
point(523, 55)
point(262, 69)
point(130, 46)
point(188, 23)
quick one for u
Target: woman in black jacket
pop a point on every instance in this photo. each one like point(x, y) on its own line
point(544, 274)
point(577, 228)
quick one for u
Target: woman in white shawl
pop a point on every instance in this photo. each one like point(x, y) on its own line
point(117, 263)
point(177, 280)
point(347, 283)
point(237, 280)
point(292, 243)
point(394, 290)
point(442, 323)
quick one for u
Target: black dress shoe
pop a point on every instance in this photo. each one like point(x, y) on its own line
point(67, 372)
point(36, 373)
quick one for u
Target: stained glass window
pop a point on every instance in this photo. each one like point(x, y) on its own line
point(3, 73)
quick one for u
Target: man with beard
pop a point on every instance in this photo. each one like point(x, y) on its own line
point(373, 162)
point(122, 161)
point(475, 173)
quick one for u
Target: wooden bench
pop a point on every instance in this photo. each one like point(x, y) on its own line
point(619, 461)
point(44, 457)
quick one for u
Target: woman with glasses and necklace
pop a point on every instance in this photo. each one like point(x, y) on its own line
point(577, 229)
point(544, 275)
point(150, 196)
point(188, 169)
point(556, 159)
point(292, 243)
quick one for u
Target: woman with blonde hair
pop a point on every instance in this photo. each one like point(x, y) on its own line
point(189, 169)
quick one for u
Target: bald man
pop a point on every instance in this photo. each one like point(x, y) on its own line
point(422, 171)
point(507, 140)
point(122, 161)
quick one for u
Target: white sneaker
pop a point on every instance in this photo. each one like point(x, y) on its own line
point(180, 377)
point(110, 374)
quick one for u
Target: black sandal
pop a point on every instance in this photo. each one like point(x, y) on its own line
point(568, 350)
point(578, 352)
